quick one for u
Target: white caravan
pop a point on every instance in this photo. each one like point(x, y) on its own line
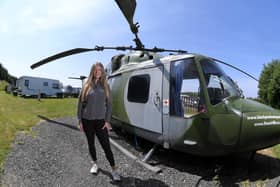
point(28, 86)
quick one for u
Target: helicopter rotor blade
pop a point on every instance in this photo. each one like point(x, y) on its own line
point(98, 48)
point(74, 78)
point(61, 55)
point(82, 77)
point(238, 69)
point(128, 8)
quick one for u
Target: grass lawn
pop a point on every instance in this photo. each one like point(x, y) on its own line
point(276, 151)
point(19, 114)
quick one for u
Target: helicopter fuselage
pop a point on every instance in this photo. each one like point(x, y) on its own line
point(187, 103)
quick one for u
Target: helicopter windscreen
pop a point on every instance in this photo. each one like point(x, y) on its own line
point(186, 98)
point(219, 85)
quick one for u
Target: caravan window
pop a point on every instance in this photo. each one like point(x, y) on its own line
point(138, 89)
point(45, 83)
point(185, 94)
point(26, 83)
point(55, 85)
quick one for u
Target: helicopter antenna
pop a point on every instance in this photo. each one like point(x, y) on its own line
point(99, 48)
point(236, 69)
point(128, 8)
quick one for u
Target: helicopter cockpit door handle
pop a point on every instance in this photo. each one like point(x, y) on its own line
point(156, 99)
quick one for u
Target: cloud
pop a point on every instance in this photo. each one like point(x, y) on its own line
point(30, 16)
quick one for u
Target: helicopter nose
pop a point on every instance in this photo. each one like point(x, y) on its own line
point(260, 126)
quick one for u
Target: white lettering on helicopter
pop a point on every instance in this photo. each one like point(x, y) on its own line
point(262, 117)
point(265, 123)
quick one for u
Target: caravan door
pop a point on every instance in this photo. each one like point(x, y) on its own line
point(144, 99)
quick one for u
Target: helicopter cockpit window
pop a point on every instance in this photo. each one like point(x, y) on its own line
point(184, 89)
point(219, 85)
point(138, 89)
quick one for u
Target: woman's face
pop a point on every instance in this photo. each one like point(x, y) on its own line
point(97, 72)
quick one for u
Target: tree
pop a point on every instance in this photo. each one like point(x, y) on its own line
point(269, 84)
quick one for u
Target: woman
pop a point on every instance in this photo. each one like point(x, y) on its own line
point(94, 114)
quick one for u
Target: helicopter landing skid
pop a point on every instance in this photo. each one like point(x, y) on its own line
point(129, 154)
point(149, 154)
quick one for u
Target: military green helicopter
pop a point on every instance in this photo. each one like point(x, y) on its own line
point(182, 101)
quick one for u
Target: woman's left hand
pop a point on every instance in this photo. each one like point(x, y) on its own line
point(107, 126)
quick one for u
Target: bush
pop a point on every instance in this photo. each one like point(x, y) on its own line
point(3, 85)
point(269, 84)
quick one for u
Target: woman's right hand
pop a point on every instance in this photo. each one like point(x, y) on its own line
point(81, 127)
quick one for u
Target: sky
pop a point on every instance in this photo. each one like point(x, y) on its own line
point(242, 33)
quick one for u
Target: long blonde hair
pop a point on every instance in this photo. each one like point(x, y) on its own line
point(90, 83)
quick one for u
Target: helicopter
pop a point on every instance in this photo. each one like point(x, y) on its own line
point(182, 101)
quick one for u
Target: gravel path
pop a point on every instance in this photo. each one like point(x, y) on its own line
point(56, 154)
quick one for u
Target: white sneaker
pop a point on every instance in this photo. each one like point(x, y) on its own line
point(116, 176)
point(94, 169)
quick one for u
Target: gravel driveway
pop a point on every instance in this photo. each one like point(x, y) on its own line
point(56, 154)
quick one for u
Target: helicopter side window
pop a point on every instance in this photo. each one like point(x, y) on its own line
point(138, 89)
point(184, 88)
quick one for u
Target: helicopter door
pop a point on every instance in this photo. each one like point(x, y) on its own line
point(225, 121)
point(143, 104)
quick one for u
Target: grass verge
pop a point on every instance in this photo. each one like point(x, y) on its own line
point(18, 114)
